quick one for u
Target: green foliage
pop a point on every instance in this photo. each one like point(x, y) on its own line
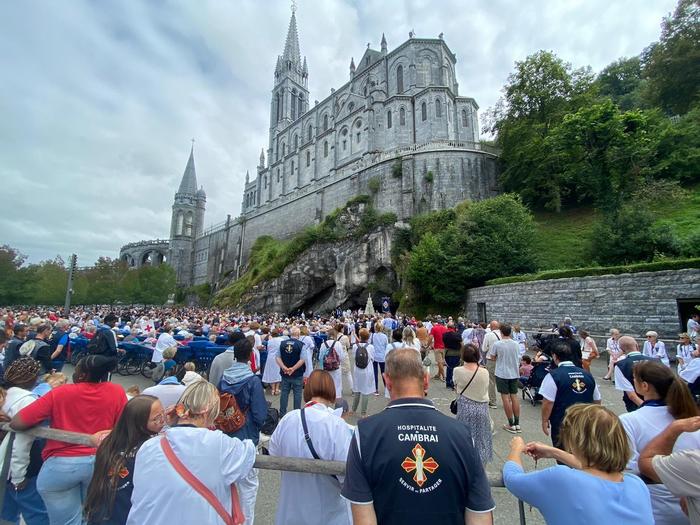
point(671, 64)
point(486, 239)
point(622, 81)
point(630, 236)
point(562, 240)
point(428, 177)
point(14, 279)
point(373, 184)
point(269, 257)
point(397, 169)
point(678, 149)
point(677, 264)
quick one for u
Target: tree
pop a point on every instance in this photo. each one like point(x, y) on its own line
point(622, 81)
point(487, 239)
point(671, 64)
point(536, 97)
point(49, 282)
point(14, 279)
point(600, 152)
point(678, 152)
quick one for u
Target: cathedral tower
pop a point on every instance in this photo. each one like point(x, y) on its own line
point(290, 94)
point(187, 223)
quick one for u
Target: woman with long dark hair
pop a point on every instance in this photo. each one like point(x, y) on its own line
point(666, 398)
point(109, 495)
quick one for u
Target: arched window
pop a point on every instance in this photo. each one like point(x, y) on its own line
point(325, 122)
point(308, 159)
point(296, 142)
point(278, 174)
point(464, 118)
point(292, 172)
point(402, 116)
point(423, 111)
point(265, 181)
point(399, 79)
point(388, 119)
point(449, 111)
point(325, 148)
point(188, 224)
point(179, 223)
point(344, 133)
point(438, 108)
point(301, 104)
point(310, 132)
point(351, 106)
point(365, 90)
point(293, 104)
point(284, 148)
point(278, 106)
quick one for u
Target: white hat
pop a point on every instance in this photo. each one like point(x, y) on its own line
point(651, 333)
point(191, 377)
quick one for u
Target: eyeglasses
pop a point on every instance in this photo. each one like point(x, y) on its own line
point(158, 420)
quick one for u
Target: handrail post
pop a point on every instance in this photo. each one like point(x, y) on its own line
point(521, 511)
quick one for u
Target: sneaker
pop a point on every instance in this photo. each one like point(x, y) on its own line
point(605, 378)
point(518, 429)
point(512, 429)
point(494, 405)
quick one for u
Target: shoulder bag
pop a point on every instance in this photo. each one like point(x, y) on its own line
point(310, 443)
point(453, 404)
point(235, 518)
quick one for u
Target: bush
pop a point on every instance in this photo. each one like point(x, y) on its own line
point(669, 264)
point(397, 169)
point(629, 235)
point(373, 184)
point(428, 177)
point(487, 239)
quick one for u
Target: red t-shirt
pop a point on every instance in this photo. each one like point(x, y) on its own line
point(82, 407)
point(437, 332)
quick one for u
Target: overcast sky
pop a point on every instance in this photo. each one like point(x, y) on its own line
point(99, 99)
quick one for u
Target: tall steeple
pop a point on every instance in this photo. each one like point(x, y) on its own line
point(290, 94)
point(188, 184)
point(291, 46)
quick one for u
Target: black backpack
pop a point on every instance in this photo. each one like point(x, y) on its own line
point(98, 344)
point(361, 356)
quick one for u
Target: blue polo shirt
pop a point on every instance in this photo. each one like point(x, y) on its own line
point(414, 464)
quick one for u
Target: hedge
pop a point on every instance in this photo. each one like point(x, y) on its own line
point(672, 264)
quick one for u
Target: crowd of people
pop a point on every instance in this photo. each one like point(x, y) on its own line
point(189, 442)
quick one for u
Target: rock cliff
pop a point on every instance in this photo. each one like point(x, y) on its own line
point(328, 275)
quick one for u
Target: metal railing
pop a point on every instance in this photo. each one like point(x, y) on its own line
point(286, 464)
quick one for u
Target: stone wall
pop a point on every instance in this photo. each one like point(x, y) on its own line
point(634, 303)
point(457, 173)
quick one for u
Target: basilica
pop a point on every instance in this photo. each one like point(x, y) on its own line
point(396, 130)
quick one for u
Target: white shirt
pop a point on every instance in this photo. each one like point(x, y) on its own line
point(657, 351)
point(467, 335)
point(162, 497)
point(521, 339)
point(641, 426)
point(311, 499)
point(548, 389)
point(165, 340)
point(693, 327)
point(363, 378)
point(15, 400)
point(621, 382)
point(490, 339)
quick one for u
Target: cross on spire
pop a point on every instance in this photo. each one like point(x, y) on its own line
point(294, 6)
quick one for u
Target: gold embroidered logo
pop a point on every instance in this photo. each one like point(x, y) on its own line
point(419, 464)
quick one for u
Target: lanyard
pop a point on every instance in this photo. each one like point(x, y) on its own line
point(310, 404)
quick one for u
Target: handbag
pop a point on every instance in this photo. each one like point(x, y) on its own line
point(235, 518)
point(453, 404)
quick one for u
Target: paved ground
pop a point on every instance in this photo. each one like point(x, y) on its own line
point(506, 505)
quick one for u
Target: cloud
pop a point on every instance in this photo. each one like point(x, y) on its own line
point(99, 100)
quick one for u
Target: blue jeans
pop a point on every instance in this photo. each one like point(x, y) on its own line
point(26, 502)
point(57, 364)
point(290, 383)
point(452, 362)
point(63, 483)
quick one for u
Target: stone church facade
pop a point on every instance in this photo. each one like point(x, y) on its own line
point(397, 130)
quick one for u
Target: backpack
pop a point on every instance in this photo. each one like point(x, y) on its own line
point(231, 418)
point(331, 361)
point(361, 356)
point(97, 345)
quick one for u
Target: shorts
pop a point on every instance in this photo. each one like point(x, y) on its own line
point(507, 386)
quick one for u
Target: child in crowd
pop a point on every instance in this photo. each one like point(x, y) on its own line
point(48, 382)
point(525, 369)
point(132, 391)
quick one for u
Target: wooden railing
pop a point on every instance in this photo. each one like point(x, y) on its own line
point(285, 464)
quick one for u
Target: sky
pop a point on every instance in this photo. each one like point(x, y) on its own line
point(99, 100)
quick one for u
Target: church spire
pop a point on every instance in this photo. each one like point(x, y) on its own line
point(291, 46)
point(383, 44)
point(189, 178)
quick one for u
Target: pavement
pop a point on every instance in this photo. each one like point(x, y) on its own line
point(506, 512)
